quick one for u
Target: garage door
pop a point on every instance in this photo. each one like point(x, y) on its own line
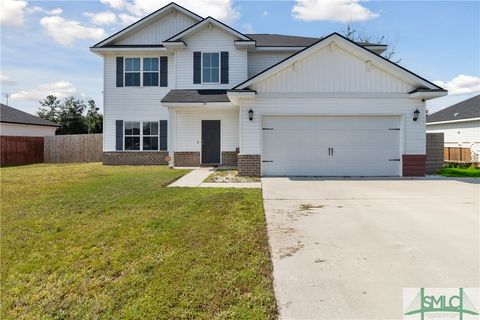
point(331, 146)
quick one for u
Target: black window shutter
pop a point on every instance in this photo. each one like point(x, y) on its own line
point(119, 71)
point(224, 67)
point(119, 135)
point(163, 71)
point(163, 134)
point(197, 67)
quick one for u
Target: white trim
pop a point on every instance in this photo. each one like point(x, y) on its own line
point(428, 94)
point(198, 105)
point(207, 21)
point(172, 6)
point(141, 135)
point(101, 51)
point(268, 48)
point(352, 95)
point(332, 39)
point(452, 121)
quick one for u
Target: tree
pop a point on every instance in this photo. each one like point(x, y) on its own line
point(70, 117)
point(359, 36)
point(49, 109)
point(94, 119)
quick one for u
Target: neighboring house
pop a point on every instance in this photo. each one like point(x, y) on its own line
point(194, 91)
point(14, 122)
point(460, 125)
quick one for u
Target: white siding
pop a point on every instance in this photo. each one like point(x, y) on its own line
point(188, 129)
point(333, 69)
point(210, 40)
point(412, 132)
point(259, 61)
point(159, 30)
point(460, 134)
point(131, 103)
point(11, 129)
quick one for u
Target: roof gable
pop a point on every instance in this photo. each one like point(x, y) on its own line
point(146, 21)
point(209, 21)
point(12, 115)
point(333, 39)
point(467, 109)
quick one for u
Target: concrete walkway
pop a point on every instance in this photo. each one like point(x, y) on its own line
point(196, 176)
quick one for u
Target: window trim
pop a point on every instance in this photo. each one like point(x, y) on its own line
point(141, 70)
point(141, 136)
point(219, 67)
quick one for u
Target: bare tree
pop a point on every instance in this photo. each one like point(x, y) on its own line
point(359, 36)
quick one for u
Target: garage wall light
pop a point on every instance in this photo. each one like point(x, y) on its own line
point(250, 114)
point(416, 114)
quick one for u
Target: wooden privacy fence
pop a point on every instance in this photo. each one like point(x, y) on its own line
point(21, 150)
point(458, 155)
point(74, 148)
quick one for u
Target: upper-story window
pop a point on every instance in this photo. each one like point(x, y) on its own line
point(210, 67)
point(132, 72)
point(150, 72)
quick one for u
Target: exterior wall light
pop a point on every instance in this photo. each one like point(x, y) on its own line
point(416, 114)
point(250, 114)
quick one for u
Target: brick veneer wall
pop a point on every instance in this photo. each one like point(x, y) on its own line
point(434, 160)
point(135, 158)
point(249, 165)
point(187, 159)
point(229, 158)
point(414, 165)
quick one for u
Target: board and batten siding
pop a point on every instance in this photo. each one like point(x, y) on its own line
point(131, 103)
point(334, 70)
point(158, 31)
point(210, 40)
point(458, 134)
point(259, 61)
point(188, 129)
point(412, 132)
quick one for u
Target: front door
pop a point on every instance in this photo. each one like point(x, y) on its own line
point(211, 141)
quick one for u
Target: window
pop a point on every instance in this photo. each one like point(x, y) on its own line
point(150, 72)
point(141, 135)
point(132, 135)
point(211, 67)
point(132, 72)
point(150, 135)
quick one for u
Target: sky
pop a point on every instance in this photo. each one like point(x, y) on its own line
point(45, 44)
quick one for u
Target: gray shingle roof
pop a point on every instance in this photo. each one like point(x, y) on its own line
point(194, 95)
point(281, 40)
point(12, 115)
point(464, 110)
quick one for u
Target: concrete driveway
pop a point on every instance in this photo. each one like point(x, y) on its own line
point(346, 248)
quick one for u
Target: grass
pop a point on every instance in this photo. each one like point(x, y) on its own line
point(229, 176)
point(460, 172)
point(87, 241)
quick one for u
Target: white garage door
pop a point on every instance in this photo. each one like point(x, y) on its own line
point(331, 146)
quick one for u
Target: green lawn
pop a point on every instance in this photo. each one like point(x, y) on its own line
point(460, 172)
point(87, 241)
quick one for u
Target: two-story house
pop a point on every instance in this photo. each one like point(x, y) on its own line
point(191, 91)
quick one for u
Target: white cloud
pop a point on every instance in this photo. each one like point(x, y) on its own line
point(53, 12)
point(102, 18)
point(461, 84)
point(59, 89)
point(12, 11)
point(219, 9)
point(116, 4)
point(247, 28)
point(334, 10)
point(265, 13)
point(6, 81)
point(66, 32)
point(127, 19)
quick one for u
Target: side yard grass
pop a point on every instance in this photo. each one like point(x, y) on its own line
point(451, 171)
point(87, 241)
